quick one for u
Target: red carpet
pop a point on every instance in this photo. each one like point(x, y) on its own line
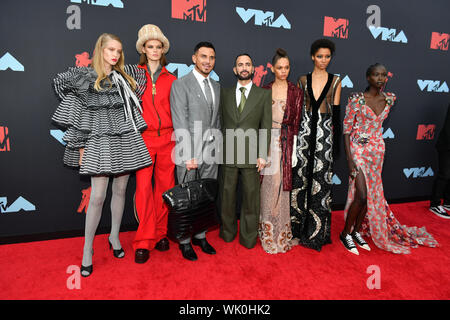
point(37, 270)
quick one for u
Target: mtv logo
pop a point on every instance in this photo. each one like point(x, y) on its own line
point(388, 34)
point(58, 135)
point(85, 197)
point(20, 204)
point(335, 180)
point(260, 74)
point(439, 41)
point(8, 61)
point(191, 10)
point(183, 69)
point(425, 132)
point(4, 139)
point(337, 28)
point(263, 18)
point(418, 172)
point(103, 3)
point(82, 60)
point(388, 134)
point(432, 85)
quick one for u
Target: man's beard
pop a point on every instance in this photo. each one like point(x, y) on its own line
point(248, 77)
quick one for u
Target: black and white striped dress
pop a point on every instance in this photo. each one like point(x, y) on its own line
point(97, 121)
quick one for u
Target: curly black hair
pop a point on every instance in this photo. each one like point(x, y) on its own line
point(322, 43)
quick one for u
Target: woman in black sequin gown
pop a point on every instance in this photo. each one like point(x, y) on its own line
point(312, 176)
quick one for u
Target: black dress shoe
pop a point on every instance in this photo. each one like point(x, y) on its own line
point(188, 252)
point(162, 245)
point(202, 243)
point(141, 255)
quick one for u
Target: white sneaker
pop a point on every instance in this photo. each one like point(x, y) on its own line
point(348, 243)
point(440, 212)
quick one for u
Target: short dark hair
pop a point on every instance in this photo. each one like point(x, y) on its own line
point(240, 55)
point(370, 70)
point(322, 43)
point(373, 67)
point(204, 44)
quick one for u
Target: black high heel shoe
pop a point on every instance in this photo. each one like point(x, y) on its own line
point(87, 269)
point(117, 252)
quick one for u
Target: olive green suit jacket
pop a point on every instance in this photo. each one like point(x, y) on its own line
point(243, 141)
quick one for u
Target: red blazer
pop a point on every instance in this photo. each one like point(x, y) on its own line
point(289, 128)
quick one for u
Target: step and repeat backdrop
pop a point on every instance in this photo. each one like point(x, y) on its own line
point(41, 38)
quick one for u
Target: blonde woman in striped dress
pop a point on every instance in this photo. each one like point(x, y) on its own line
point(101, 114)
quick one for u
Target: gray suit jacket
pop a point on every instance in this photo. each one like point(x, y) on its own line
point(193, 120)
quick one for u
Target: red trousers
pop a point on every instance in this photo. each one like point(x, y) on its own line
point(150, 207)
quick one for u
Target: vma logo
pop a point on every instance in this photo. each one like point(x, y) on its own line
point(4, 139)
point(388, 134)
point(20, 204)
point(8, 61)
point(335, 180)
point(103, 3)
point(439, 41)
point(346, 82)
point(183, 69)
point(190, 10)
point(263, 18)
point(432, 85)
point(418, 172)
point(260, 73)
point(388, 34)
point(58, 135)
point(425, 132)
point(337, 28)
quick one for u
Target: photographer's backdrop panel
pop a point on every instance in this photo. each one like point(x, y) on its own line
point(39, 39)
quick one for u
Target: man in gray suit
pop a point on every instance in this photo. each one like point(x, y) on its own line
point(194, 103)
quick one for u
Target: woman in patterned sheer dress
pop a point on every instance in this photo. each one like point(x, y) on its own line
point(366, 211)
point(311, 178)
point(274, 223)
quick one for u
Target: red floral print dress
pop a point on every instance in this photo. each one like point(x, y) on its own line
point(367, 149)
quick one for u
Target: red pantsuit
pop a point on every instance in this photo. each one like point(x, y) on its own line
point(152, 181)
point(150, 206)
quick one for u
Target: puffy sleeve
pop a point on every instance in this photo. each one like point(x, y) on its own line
point(72, 114)
point(350, 113)
point(390, 99)
point(139, 76)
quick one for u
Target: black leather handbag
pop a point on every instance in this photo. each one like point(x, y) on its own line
point(192, 207)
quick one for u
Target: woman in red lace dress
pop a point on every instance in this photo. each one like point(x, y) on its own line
point(367, 212)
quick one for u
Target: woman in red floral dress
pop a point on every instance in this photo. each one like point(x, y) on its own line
point(366, 208)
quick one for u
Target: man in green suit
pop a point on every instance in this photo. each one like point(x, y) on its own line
point(246, 115)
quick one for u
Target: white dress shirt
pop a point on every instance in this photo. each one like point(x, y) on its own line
point(238, 91)
point(200, 79)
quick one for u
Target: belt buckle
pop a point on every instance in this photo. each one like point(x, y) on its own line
point(363, 139)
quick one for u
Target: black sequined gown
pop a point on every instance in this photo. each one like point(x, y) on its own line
point(312, 176)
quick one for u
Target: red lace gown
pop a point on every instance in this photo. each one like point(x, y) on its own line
point(367, 149)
